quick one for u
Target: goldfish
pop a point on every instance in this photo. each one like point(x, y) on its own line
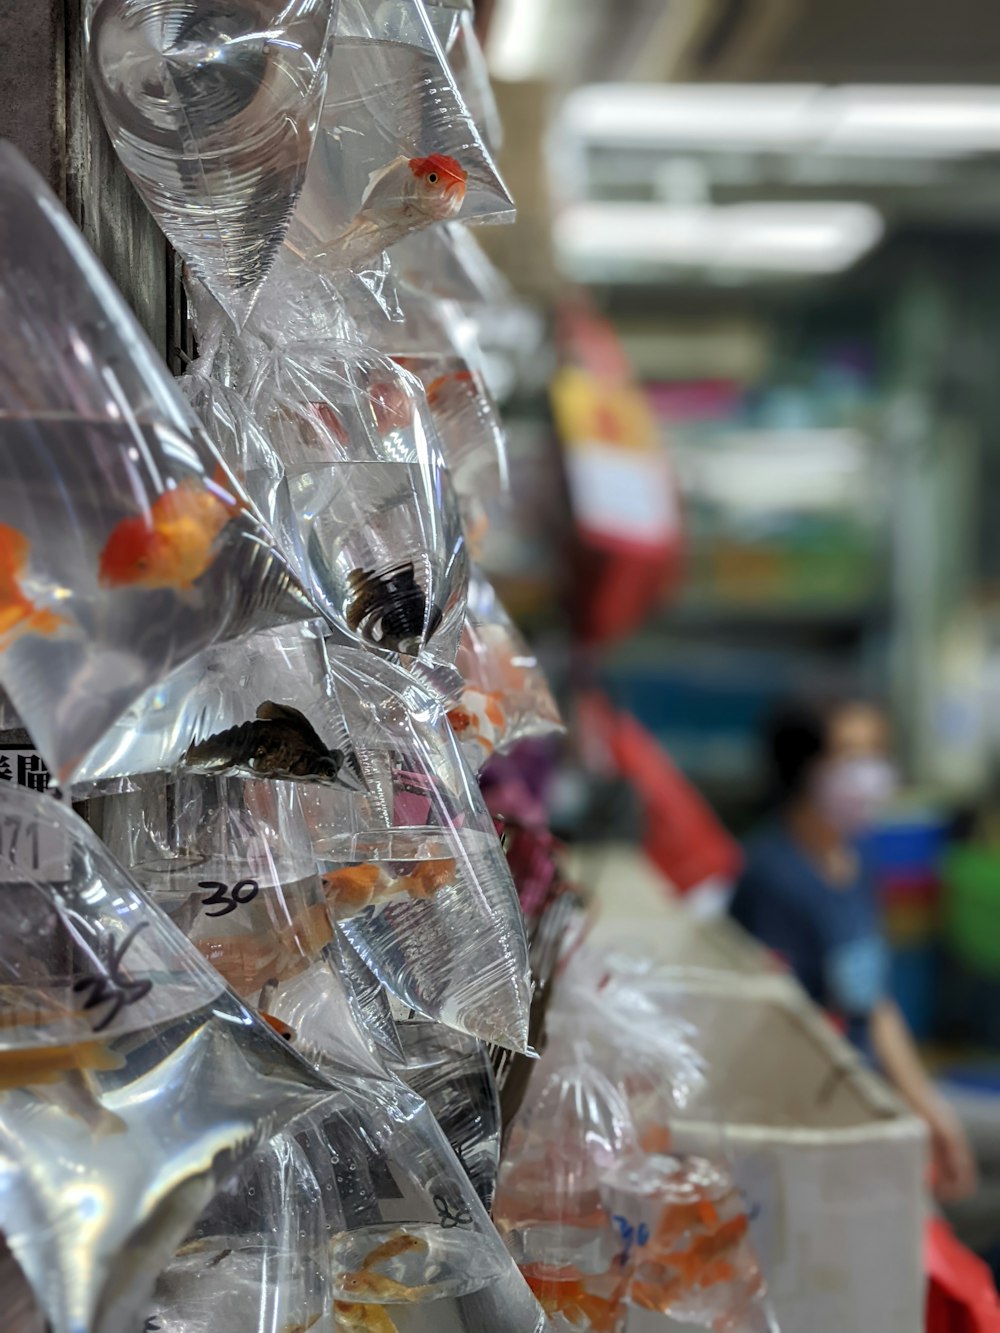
point(378, 1288)
point(452, 393)
point(405, 195)
point(662, 1280)
point(280, 742)
point(363, 1318)
point(389, 608)
point(403, 1242)
point(18, 613)
point(251, 961)
point(479, 717)
point(424, 880)
point(61, 1075)
point(278, 1025)
point(353, 888)
point(172, 544)
point(567, 1292)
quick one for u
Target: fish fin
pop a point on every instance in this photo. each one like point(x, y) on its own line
point(377, 176)
point(269, 711)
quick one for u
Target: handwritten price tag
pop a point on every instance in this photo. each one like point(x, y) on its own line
point(30, 847)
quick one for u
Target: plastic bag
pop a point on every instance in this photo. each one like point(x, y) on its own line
point(213, 106)
point(443, 16)
point(133, 1083)
point(397, 149)
point(256, 1257)
point(414, 869)
point(266, 711)
point(368, 998)
point(448, 262)
point(125, 545)
point(453, 1074)
point(506, 698)
point(472, 76)
point(371, 493)
point(568, 1144)
point(410, 1245)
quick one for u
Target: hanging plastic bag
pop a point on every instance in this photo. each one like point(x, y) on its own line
point(443, 16)
point(246, 452)
point(213, 109)
point(414, 869)
point(506, 698)
point(453, 1074)
point(125, 544)
point(371, 494)
point(264, 712)
point(410, 1245)
point(449, 263)
point(255, 1258)
point(472, 77)
point(368, 998)
point(132, 1081)
point(554, 1207)
point(397, 149)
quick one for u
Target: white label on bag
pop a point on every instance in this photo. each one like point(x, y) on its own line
point(29, 845)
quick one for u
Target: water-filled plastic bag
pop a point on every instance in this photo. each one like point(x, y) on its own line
point(213, 106)
point(126, 545)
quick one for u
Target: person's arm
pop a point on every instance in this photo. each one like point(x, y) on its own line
point(896, 1053)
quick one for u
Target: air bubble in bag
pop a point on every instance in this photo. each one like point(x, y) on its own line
point(256, 1258)
point(411, 1248)
point(397, 149)
point(126, 546)
point(213, 107)
point(414, 868)
point(133, 1082)
point(373, 498)
point(506, 698)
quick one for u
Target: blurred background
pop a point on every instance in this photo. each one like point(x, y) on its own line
point(750, 376)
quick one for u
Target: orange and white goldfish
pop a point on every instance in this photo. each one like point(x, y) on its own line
point(18, 613)
point(379, 1289)
point(353, 888)
point(664, 1278)
point(362, 1318)
point(405, 195)
point(172, 544)
point(479, 717)
point(569, 1293)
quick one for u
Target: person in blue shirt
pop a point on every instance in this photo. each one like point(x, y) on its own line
point(805, 892)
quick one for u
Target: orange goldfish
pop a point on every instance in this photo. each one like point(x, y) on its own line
point(353, 887)
point(278, 1024)
point(405, 195)
point(424, 880)
point(452, 392)
point(566, 1292)
point(248, 962)
point(379, 1289)
point(26, 1066)
point(401, 1243)
point(18, 613)
point(479, 717)
point(173, 544)
point(363, 1318)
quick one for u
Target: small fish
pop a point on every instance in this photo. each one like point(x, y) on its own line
point(379, 1289)
point(390, 608)
point(403, 1242)
point(452, 393)
point(278, 1025)
point(405, 195)
point(279, 743)
point(565, 1292)
point(172, 544)
point(425, 879)
point(354, 887)
point(23, 1067)
point(18, 613)
point(479, 717)
point(251, 961)
point(362, 1318)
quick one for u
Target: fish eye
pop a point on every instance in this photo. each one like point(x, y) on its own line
point(432, 178)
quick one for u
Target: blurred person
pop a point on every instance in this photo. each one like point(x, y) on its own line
point(806, 893)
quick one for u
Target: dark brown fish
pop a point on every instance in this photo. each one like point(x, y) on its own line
point(279, 743)
point(390, 608)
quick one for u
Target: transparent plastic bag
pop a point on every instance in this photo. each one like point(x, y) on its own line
point(397, 149)
point(371, 493)
point(368, 998)
point(472, 76)
point(506, 698)
point(449, 263)
point(264, 711)
point(554, 1206)
point(443, 16)
point(245, 450)
point(213, 107)
point(125, 544)
point(414, 869)
point(256, 1258)
point(453, 1074)
point(133, 1082)
point(410, 1245)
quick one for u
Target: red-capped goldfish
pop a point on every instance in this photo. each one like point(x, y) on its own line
point(362, 1318)
point(405, 195)
point(172, 544)
point(18, 613)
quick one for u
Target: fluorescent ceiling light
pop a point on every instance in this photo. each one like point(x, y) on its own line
point(927, 121)
point(777, 238)
point(516, 48)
